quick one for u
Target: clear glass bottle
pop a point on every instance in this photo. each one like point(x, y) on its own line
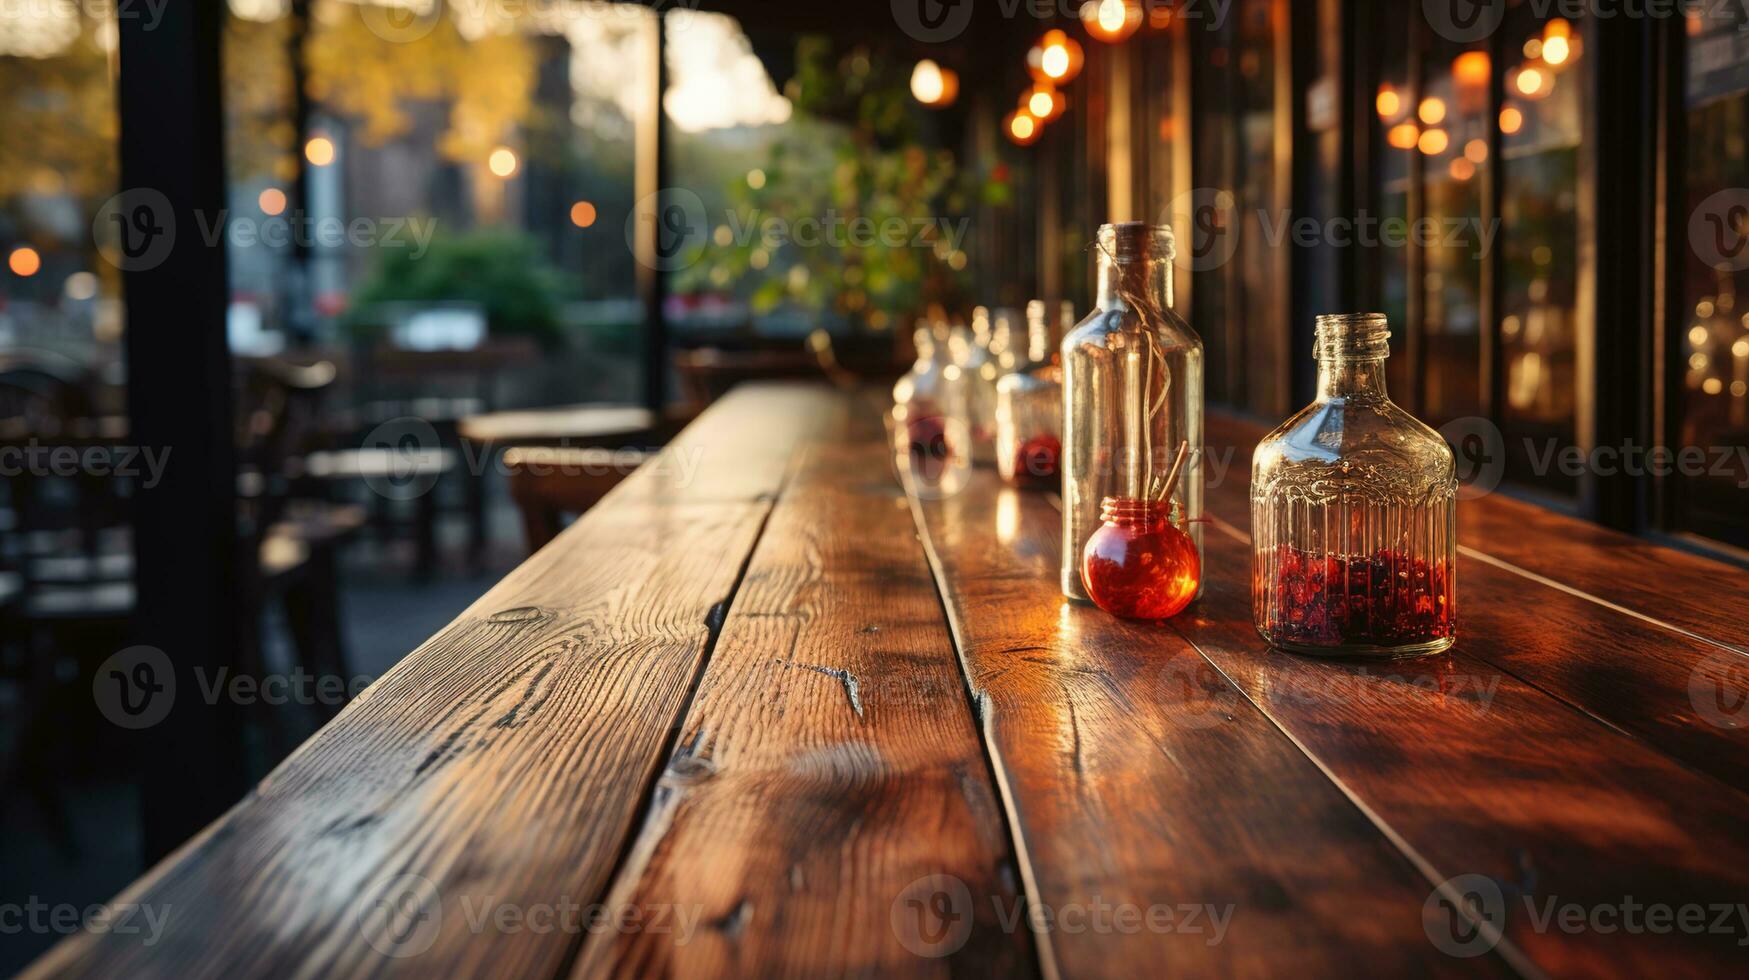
point(930, 427)
point(1353, 513)
point(976, 372)
point(1029, 408)
point(1132, 394)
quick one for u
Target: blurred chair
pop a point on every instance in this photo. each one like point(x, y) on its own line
point(548, 483)
point(708, 373)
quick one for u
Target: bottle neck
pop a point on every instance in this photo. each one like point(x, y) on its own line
point(1351, 379)
point(1125, 284)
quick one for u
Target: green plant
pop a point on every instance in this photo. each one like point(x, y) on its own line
point(503, 273)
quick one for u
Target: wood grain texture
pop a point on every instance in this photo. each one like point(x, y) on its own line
point(1138, 777)
point(1685, 696)
point(1478, 773)
point(497, 771)
point(831, 773)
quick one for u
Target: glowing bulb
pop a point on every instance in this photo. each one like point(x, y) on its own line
point(1056, 61)
point(1403, 136)
point(926, 84)
point(1556, 50)
point(1462, 169)
point(1740, 348)
point(1022, 127)
point(271, 201)
point(1389, 103)
point(1111, 20)
point(1472, 69)
point(1697, 335)
point(1434, 141)
point(1511, 120)
point(24, 261)
point(319, 151)
point(1432, 111)
point(583, 214)
point(756, 178)
point(1532, 83)
point(1476, 150)
point(1039, 104)
point(1559, 27)
point(502, 162)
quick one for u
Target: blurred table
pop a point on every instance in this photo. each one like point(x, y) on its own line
point(760, 712)
point(567, 425)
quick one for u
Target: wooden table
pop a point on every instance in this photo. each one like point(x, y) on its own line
point(778, 718)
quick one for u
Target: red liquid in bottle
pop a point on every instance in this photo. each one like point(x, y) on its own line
point(1036, 462)
point(1387, 599)
point(1138, 564)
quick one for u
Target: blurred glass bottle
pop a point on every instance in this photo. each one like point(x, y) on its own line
point(1132, 394)
point(1029, 407)
point(930, 425)
point(975, 370)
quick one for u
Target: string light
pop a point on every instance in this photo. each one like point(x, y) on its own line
point(24, 261)
point(1044, 102)
point(1111, 21)
point(271, 201)
point(1022, 127)
point(502, 162)
point(1389, 103)
point(1434, 142)
point(1511, 120)
point(319, 151)
point(1432, 111)
point(1403, 136)
point(1057, 57)
point(582, 214)
point(934, 85)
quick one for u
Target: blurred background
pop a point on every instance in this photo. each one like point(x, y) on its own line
point(287, 306)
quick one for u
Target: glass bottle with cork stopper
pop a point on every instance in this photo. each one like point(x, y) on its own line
point(1132, 397)
point(1353, 513)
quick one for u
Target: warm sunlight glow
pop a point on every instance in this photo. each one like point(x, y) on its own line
point(715, 79)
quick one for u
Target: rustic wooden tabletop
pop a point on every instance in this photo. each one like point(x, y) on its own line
point(759, 712)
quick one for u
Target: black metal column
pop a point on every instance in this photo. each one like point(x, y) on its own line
point(179, 399)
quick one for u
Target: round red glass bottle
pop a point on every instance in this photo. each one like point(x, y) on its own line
point(1139, 564)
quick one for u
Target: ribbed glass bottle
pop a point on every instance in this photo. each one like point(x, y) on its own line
point(1132, 394)
point(1353, 514)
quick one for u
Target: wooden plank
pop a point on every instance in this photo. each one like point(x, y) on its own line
point(1685, 696)
point(1137, 777)
point(496, 773)
point(831, 772)
point(1478, 773)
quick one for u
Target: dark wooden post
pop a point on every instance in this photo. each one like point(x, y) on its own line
point(179, 399)
point(652, 178)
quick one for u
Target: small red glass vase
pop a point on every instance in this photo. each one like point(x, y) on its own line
point(929, 448)
point(1036, 461)
point(1138, 564)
